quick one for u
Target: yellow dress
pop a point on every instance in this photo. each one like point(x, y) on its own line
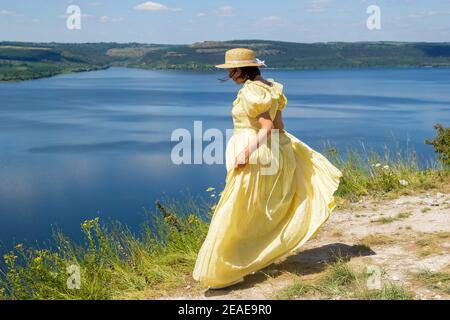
point(262, 218)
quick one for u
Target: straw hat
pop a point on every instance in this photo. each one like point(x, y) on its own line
point(240, 57)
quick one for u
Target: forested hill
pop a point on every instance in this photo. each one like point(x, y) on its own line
point(20, 61)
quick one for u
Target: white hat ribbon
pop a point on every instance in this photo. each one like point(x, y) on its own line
point(261, 62)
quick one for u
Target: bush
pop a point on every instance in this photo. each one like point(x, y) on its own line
point(441, 143)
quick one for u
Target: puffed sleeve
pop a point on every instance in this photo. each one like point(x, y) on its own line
point(281, 98)
point(282, 102)
point(256, 99)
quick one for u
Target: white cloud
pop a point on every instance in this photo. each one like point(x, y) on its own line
point(270, 22)
point(272, 18)
point(431, 13)
point(106, 19)
point(9, 13)
point(318, 5)
point(153, 6)
point(225, 11)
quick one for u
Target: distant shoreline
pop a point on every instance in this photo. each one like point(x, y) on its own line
point(208, 70)
point(21, 61)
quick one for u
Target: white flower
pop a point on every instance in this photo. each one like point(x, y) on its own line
point(403, 182)
point(377, 165)
point(386, 167)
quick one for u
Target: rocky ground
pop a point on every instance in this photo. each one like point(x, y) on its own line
point(402, 237)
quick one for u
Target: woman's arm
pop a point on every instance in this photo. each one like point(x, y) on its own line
point(278, 121)
point(266, 126)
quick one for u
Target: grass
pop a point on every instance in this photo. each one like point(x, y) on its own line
point(388, 292)
point(430, 243)
point(369, 173)
point(439, 281)
point(377, 240)
point(384, 220)
point(112, 261)
point(340, 281)
point(115, 262)
point(400, 216)
point(295, 291)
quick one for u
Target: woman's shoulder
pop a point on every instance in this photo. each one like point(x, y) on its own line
point(275, 88)
point(258, 97)
point(256, 91)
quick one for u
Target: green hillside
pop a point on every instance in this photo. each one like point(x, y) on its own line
point(20, 61)
point(304, 56)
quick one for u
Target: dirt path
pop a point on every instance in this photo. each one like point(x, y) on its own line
point(402, 237)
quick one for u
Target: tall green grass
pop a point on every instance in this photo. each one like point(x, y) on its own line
point(394, 171)
point(114, 261)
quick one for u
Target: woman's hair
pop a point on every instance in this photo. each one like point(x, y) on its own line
point(247, 73)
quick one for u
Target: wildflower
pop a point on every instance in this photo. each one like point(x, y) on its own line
point(213, 195)
point(88, 224)
point(9, 258)
point(376, 165)
point(403, 182)
point(210, 189)
point(386, 167)
point(192, 219)
point(19, 246)
point(37, 260)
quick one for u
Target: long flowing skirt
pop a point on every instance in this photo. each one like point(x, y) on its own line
point(261, 218)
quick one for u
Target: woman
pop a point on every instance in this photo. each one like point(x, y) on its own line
point(278, 190)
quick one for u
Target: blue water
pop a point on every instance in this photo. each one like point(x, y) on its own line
point(78, 146)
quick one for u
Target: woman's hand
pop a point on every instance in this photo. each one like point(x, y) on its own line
point(242, 159)
point(266, 126)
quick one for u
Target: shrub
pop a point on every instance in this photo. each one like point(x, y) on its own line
point(441, 143)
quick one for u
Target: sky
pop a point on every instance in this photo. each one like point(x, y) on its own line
point(183, 21)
